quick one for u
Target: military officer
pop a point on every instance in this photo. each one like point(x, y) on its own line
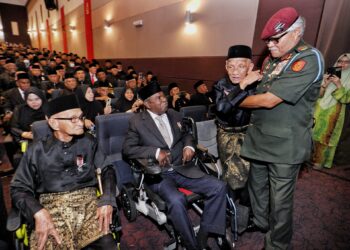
point(279, 139)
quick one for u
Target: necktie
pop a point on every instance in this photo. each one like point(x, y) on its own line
point(163, 130)
point(92, 79)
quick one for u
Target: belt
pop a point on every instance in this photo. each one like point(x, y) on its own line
point(233, 129)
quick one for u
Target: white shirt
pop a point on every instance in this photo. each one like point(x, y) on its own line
point(21, 92)
point(165, 119)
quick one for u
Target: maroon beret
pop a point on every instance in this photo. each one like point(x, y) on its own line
point(279, 22)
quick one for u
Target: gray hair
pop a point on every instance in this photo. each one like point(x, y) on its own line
point(299, 23)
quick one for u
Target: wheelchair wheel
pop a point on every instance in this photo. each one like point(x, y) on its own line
point(128, 204)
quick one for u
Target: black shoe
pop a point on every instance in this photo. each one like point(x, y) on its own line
point(254, 228)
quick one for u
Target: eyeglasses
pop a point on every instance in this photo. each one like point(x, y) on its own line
point(275, 40)
point(344, 61)
point(73, 119)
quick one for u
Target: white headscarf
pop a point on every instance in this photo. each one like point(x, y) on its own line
point(328, 100)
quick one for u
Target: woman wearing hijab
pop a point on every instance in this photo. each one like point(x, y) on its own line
point(330, 113)
point(90, 107)
point(24, 115)
point(128, 102)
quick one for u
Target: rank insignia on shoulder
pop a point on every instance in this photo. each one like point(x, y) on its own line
point(302, 48)
point(298, 65)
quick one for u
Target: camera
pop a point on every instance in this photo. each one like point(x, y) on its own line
point(334, 71)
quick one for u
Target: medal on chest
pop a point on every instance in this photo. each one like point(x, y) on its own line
point(80, 162)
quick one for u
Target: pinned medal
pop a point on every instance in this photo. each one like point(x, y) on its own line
point(298, 65)
point(80, 162)
point(179, 125)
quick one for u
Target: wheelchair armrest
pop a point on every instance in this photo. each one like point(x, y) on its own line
point(148, 166)
point(202, 148)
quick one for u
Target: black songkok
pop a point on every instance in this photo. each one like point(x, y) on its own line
point(61, 104)
point(149, 90)
point(197, 84)
point(239, 51)
point(22, 76)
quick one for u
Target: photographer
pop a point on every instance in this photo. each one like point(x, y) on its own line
point(332, 117)
point(177, 99)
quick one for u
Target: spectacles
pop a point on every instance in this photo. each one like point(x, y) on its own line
point(344, 61)
point(275, 40)
point(73, 119)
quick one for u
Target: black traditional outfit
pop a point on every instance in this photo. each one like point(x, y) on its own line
point(90, 109)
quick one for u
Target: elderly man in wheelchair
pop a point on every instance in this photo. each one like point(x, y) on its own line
point(156, 135)
point(54, 188)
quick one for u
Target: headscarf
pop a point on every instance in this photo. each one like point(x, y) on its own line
point(328, 100)
point(31, 115)
point(124, 104)
point(90, 109)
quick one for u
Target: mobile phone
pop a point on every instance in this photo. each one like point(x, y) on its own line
point(335, 71)
point(108, 102)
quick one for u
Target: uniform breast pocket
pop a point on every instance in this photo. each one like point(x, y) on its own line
point(277, 132)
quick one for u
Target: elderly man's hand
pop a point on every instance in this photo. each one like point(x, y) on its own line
point(45, 227)
point(187, 155)
point(104, 216)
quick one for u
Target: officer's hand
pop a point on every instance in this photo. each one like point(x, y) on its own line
point(251, 77)
point(187, 155)
point(104, 216)
point(163, 158)
point(45, 227)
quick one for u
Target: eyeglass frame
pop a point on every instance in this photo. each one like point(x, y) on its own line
point(73, 119)
point(275, 40)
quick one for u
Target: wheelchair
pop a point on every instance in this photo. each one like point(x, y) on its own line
point(138, 198)
point(22, 228)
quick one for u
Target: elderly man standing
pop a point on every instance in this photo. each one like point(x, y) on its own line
point(279, 138)
point(233, 121)
point(54, 187)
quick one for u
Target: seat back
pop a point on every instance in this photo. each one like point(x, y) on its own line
point(118, 92)
point(110, 132)
point(40, 130)
point(165, 90)
point(206, 136)
point(197, 113)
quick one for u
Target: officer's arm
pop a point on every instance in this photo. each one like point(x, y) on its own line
point(266, 100)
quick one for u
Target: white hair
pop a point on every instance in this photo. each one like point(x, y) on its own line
point(299, 23)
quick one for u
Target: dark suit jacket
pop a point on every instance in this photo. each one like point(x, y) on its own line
point(143, 139)
point(13, 98)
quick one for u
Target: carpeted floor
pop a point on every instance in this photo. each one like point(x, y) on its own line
point(321, 216)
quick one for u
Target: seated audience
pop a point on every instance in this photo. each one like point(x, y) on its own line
point(79, 74)
point(36, 77)
point(177, 99)
point(7, 78)
point(330, 114)
point(156, 133)
point(52, 84)
point(25, 114)
point(201, 97)
point(90, 107)
point(128, 102)
point(54, 188)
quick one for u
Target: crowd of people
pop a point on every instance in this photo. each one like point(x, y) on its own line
point(267, 122)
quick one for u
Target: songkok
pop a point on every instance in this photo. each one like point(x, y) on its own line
point(129, 77)
point(78, 69)
point(22, 76)
point(99, 70)
point(51, 72)
point(103, 84)
point(198, 83)
point(172, 85)
point(10, 61)
point(239, 51)
point(279, 22)
point(92, 65)
point(61, 104)
point(114, 66)
point(68, 75)
point(59, 67)
point(149, 90)
point(35, 66)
